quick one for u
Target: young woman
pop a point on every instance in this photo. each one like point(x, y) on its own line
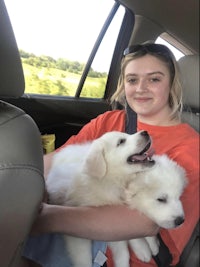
point(148, 85)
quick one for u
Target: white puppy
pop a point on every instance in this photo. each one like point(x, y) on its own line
point(110, 170)
point(156, 193)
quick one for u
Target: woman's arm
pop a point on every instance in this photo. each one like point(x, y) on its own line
point(108, 223)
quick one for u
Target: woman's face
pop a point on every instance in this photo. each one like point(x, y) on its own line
point(147, 86)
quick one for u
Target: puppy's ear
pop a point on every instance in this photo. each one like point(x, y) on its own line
point(95, 164)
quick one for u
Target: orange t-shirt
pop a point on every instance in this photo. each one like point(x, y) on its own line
point(180, 143)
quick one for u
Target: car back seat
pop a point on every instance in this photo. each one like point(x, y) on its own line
point(189, 68)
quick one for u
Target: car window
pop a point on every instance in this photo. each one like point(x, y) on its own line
point(177, 53)
point(55, 38)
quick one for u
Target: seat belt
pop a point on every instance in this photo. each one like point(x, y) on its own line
point(131, 120)
point(164, 257)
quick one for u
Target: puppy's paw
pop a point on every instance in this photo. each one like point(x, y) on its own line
point(144, 255)
point(141, 249)
point(154, 244)
point(129, 194)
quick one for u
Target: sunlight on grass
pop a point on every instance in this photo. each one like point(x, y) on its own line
point(51, 81)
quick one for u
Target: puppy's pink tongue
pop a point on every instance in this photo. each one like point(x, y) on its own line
point(146, 155)
point(139, 157)
point(150, 152)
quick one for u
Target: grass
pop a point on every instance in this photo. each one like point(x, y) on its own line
point(53, 81)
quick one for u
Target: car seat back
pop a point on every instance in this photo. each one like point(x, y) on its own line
point(189, 68)
point(21, 155)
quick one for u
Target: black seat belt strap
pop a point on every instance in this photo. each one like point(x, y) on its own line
point(131, 121)
point(164, 257)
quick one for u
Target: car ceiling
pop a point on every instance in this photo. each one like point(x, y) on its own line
point(178, 18)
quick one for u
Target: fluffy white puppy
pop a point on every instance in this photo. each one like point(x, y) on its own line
point(96, 173)
point(156, 193)
point(110, 170)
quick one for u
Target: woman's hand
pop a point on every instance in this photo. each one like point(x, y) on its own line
point(41, 223)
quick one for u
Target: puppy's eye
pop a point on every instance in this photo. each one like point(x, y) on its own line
point(162, 199)
point(121, 141)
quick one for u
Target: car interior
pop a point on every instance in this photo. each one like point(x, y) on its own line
point(25, 117)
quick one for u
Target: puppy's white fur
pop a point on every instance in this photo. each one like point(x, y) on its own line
point(105, 172)
point(156, 193)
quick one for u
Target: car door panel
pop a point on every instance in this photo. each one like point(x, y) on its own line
point(62, 116)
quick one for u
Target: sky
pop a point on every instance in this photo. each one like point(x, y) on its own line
point(50, 27)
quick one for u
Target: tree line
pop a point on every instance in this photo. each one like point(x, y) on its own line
point(61, 64)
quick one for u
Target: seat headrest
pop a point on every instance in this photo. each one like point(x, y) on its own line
point(189, 69)
point(11, 73)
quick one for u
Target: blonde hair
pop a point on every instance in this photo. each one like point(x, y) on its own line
point(175, 94)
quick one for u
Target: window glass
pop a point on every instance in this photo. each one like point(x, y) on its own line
point(55, 38)
point(95, 83)
point(177, 53)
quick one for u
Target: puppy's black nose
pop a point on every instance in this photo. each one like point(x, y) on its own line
point(178, 221)
point(145, 133)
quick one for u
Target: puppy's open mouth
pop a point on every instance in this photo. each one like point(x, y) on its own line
point(145, 156)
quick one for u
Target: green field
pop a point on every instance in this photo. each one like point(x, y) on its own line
point(52, 81)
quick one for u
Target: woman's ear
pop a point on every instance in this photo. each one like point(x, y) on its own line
point(95, 163)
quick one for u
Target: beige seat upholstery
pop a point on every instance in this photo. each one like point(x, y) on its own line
point(21, 159)
point(189, 67)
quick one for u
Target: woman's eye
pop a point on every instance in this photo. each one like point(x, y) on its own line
point(155, 79)
point(131, 81)
point(121, 141)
